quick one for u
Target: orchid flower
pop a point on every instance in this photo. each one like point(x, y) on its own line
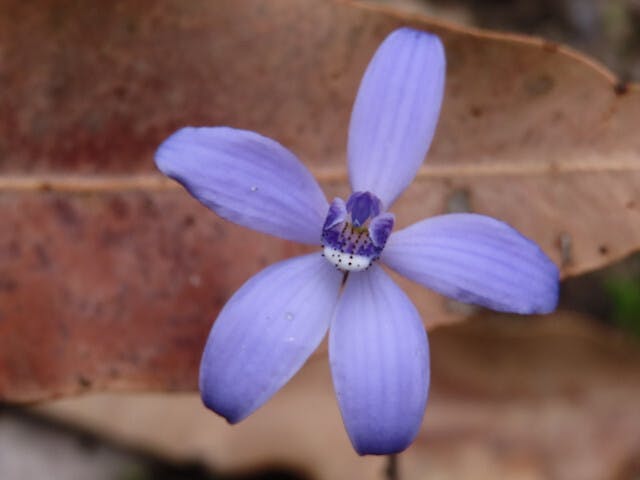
point(378, 347)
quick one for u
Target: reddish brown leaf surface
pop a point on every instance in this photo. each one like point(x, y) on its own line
point(110, 277)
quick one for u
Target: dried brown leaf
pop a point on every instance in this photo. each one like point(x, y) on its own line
point(110, 276)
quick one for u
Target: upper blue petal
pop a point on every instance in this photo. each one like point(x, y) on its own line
point(248, 179)
point(395, 113)
point(265, 333)
point(476, 259)
point(379, 362)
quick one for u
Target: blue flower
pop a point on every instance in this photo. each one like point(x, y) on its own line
point(378, 347)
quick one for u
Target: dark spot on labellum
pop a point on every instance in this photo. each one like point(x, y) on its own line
point(603, 249)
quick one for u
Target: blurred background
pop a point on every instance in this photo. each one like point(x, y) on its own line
point(605, 29)
point(554, 397)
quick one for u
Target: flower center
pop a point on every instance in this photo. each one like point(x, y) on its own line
point(354, 234)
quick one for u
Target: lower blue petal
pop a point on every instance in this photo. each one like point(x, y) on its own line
point(380, 363)
point(265, 333)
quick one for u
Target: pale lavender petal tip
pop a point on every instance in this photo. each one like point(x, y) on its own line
point(265, 333)
point(395, 113)
point(380, 364)
point(476, 259)
point(248, 179)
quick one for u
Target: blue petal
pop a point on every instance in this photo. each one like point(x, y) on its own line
point(476, 259)
point(395, 113)
point(248, 179)
point(380, 363)
point(265, 333)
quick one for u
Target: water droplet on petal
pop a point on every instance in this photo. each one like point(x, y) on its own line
point(254, 188)
point(288, 316)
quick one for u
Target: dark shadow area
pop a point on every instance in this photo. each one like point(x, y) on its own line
point(609, 31)
point(611, 294)
point(134, 463)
